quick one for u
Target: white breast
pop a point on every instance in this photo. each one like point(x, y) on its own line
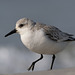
point(38, 42)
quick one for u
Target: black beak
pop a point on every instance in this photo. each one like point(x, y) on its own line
point(12, 32)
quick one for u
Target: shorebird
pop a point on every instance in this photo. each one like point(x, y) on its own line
point(41, 38)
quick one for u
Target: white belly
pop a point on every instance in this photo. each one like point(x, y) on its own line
point(39, 43)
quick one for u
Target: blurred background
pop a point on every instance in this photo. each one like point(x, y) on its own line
point(14, 56)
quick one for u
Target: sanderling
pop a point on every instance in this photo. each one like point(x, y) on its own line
point(41, 38)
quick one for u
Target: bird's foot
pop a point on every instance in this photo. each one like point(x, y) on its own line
point(31, 67)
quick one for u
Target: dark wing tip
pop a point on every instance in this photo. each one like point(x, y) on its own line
point(70, 39)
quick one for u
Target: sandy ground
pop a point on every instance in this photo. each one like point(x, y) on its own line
point(69, 71)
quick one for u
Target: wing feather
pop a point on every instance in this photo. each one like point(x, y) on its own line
point(56, 34)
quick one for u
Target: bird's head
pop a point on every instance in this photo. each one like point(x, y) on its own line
point(21, 26)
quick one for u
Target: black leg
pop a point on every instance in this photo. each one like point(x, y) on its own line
point(53, 58)
point(33, 63)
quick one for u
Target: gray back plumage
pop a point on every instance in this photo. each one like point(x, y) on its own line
point(54, 33)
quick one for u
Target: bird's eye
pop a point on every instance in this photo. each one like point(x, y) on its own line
point(21, 25)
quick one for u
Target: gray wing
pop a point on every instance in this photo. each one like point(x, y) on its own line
point(57, 35)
